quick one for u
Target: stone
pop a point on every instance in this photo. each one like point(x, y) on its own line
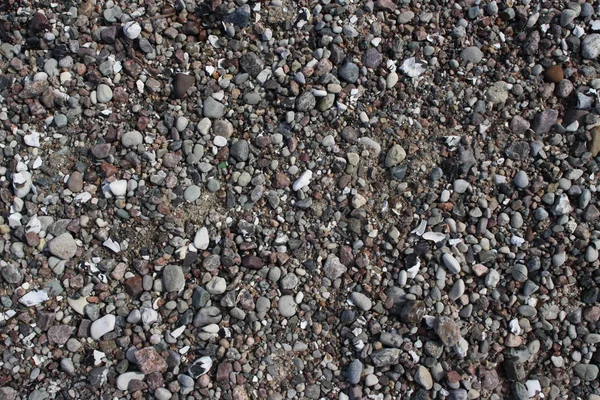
point(102, 326)
point(385, 357)
point(333, 268)
point(75, 182)
point(202, 239)
point(518, 125)
point(252, 262)
point(286, 306)
point(216, 285)
point(372, 58)
point(349, 72)
point(395, 156)
point(213, 109)
point(124, 379)
point(104, 93)
point(252, 64)
point(594, 144)
point(451, 263)
point(306, 102)
point(471, 54)
point(554, 74)
point(412, 312)
point(181, 84)
point(521, 180)
point(354, 372)
point(63, 246)
point(544, 121)
point(361, 301)
point(132, 139)
point(173, 278)
point(423, 377)
point(132, 30)
point(240, 150)
point(149, 361)
point(239, 17)
point(590, 46)
point(587, 372)
point(447, 330)
point(59, 334)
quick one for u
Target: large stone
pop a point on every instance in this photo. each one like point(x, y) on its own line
point(149, 361)
point(181, 84)
point(63, 246)
point(173, 278)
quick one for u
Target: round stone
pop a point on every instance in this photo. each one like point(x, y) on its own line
point(286, 306)
point(104, 93)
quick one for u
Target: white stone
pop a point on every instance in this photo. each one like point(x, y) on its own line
point(149, 316)
point(102, 326)
point(132, 30)
point(22, 183)
point(220, 141)
point(391, 80)
point(202, 240)
point(32, 140)
point(118, 188)
point(78, 304)
point(303, 180)
point(434, 236)
point(124, 379)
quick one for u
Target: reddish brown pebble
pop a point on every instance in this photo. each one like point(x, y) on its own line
point(554, 74)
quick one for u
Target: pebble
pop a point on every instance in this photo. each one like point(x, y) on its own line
point(63, 246)
point(173, 278)
point(286, 305)
point(104, 93)
point(102, 326)
point(361, 301)
point(201, 239)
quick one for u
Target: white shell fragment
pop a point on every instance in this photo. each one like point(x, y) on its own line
point(111, 244)
point(434, 236)
point(34, 298)
point(200, 367)
point(412, 67)
point(420, 229)
point(303, 180)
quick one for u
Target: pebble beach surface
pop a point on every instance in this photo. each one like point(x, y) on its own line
point(313, 199)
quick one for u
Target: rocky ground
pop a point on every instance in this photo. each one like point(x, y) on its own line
point(307, 199)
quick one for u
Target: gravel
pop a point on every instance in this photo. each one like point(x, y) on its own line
point(236, 200)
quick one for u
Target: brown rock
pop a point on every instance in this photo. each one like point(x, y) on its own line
point(32, 238)
point(59, 334)
point(252, 262)
point(45, 319)
point(594, 144)
point(281, 180)
point(33, 89)
point(223, 371)
point(386, 5)
point(75, 182)
point(133, 286)
point(149, 361)
point(155, 380)
point(181, 84)
point(554, 74)
point(39, 22)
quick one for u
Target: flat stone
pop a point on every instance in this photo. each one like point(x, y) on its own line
point(286, 306)
point(544, 121)
point(63, 246)
point(447, 330)
point(202, 239)
point(385, 357)
point(423, 378)
point(132, 138)
point(59, 334)
point(181, 84)
point(590, 46)
point(213, 109)
point(395, 156)
point(173, 278)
